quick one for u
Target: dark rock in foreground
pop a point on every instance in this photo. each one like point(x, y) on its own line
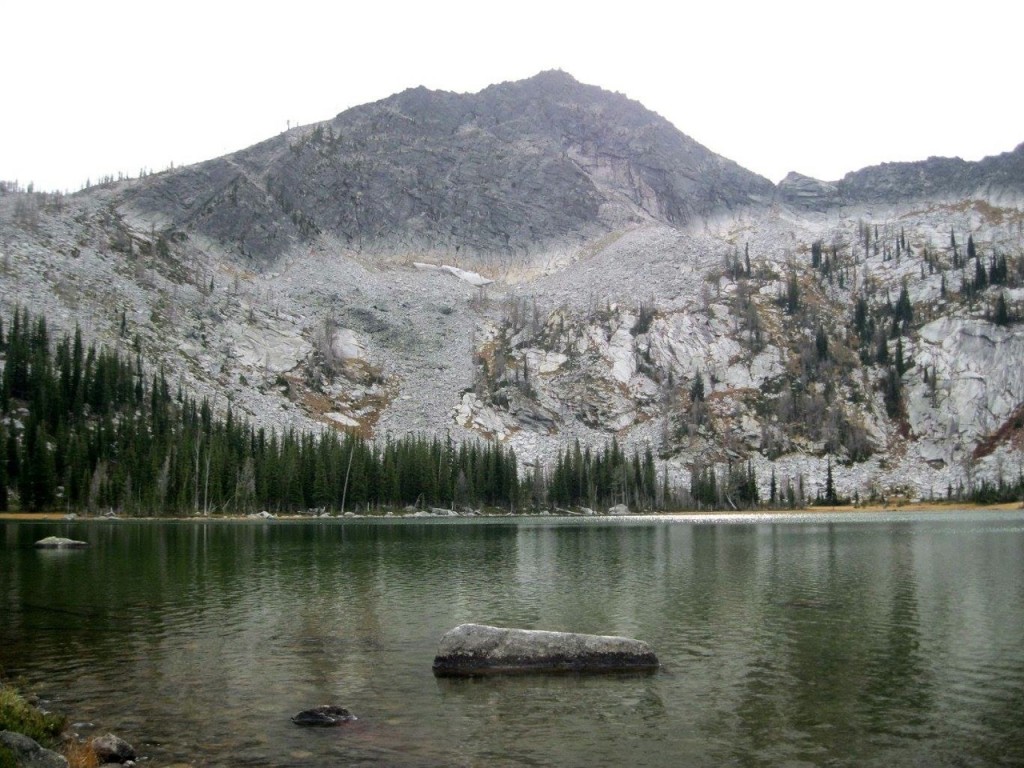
point(112, 749)
point(57, 542)
point(477, 649)
point(28, 754)
point(324, 715)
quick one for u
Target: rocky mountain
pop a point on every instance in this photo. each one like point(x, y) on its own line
point(545, 262)
point(511, 171)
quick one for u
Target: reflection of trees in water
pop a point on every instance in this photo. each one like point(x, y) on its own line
point(585, 578)
point(898, 690)
point(811, 681)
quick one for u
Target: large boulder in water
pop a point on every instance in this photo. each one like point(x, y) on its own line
point(478, 649)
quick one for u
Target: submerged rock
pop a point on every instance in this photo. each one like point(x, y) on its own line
point(58, 542)
point(112, 749)
point(28, 754)
point(478, 649)
point(324, 715)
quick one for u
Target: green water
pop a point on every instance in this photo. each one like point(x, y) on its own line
point(852, 640)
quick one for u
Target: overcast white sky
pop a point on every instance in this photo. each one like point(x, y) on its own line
point(96, 87)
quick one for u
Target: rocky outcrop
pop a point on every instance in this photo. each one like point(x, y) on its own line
point(478, 649)
point(58, 542)
point(326, 715)
point(28, 754)
point(804, 192)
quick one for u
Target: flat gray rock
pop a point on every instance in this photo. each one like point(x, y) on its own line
point(57, 542)
point(478, 649)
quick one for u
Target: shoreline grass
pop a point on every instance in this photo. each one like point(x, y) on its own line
point(18, 715)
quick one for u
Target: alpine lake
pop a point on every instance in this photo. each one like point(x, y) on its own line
point(839, 639)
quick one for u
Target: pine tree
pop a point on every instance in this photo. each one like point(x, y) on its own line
point(904, 310)
point(3, 468)
point(697, 389)
point(901, 365)
point(830, 488)
point(1002, 312)
point(792, 299)
point(821, 343)
point(893, 393)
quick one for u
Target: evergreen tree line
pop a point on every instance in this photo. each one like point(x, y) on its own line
point(604, 478)
point(735, 487)
point(993, 492)
point(88, 430)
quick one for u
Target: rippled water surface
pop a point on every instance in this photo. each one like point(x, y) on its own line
point(817, 641)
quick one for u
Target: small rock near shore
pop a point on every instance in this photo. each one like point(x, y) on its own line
point(324, 715)
point(112, 749)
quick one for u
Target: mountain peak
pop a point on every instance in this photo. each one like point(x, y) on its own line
point(552, 78)
point(516, 168)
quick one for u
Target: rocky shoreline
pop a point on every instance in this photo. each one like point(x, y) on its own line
point(32, 737)
point(915, 506)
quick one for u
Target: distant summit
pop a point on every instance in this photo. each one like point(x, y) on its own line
point(993, 177)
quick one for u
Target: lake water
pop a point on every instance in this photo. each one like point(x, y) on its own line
point(855, 640)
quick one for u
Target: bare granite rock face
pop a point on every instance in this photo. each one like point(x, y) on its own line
point(478, 649)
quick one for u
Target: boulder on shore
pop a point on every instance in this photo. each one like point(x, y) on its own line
point(28, 753)
point(478, 649)
point(57, 542)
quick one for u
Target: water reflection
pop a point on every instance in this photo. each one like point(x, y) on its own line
point(821, 641)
